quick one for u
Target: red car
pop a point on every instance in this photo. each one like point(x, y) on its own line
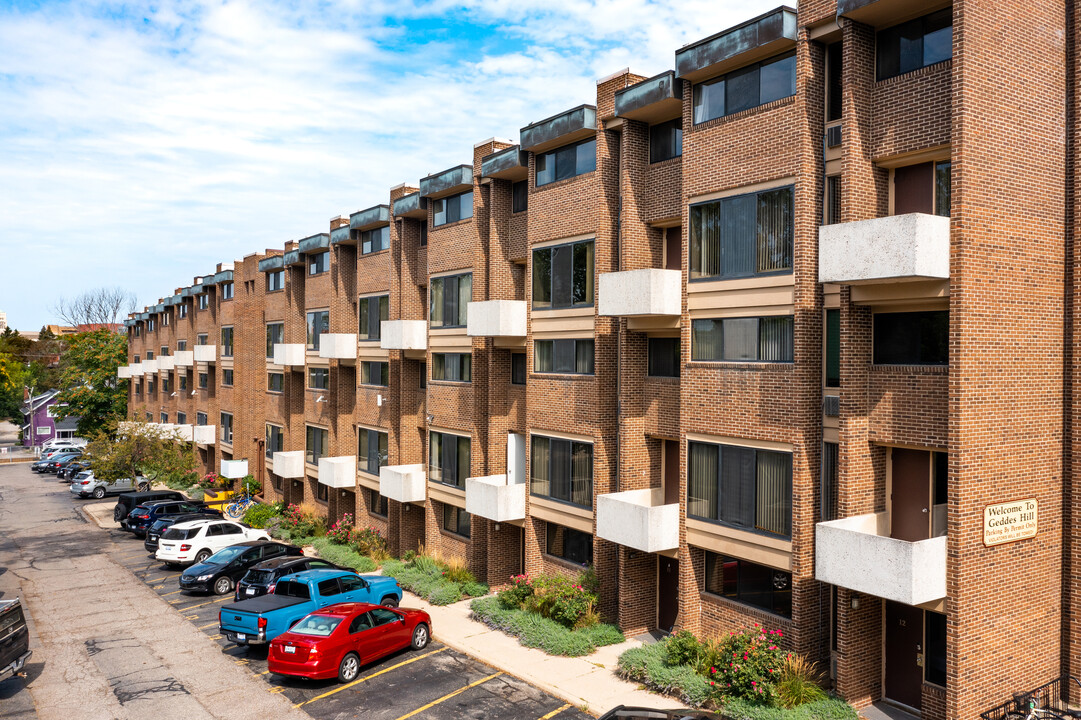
point(336, 640)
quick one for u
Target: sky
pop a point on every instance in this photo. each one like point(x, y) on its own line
point(143, 142)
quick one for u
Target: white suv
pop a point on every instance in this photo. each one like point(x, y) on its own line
point(195, 541)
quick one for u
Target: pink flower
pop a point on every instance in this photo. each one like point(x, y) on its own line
point(753, 682)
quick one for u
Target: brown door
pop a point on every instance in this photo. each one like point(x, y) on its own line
point(671, 472)
point(904, 654)
point(673, 249)
point(913, 189)
point(667, 592)
point(910, 517)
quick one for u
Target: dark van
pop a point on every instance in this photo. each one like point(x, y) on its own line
point(14, 638)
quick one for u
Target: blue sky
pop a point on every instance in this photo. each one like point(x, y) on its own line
point(143, 142)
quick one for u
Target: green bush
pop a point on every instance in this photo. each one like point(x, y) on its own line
point(748, 666)
point(556, 597)
point(343, 555)
point(257, 516)
point(828, 709)
point(474, 589)
point(425, 578)
point(649, 666)
point(514, 595)
point(533, 630)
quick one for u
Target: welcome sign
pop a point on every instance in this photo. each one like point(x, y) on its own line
point(1008, 522)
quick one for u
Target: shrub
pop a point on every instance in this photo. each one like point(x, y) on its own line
point(555, 597)
point(748, 666)
point(474, 589)
point(304, 520)
point(533, 630)
point(649, 665)
point(250, 485)
point(425, 577)
point(408, 556)
point(341, 531)
point(826, 709)
point(342, 555)
point(457, 572)
point(515, 594)
point(799, 682)
point(195, 493)
point(369, 541)
point(257, 516)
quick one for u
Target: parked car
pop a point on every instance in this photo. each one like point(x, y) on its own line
point(260, 579)
point(261, 619)
point(50, 466)
point(154, 532)
point(42, 464)
point(335, 641)
point(220, 572)
point(86, 485)
point(68, 473)
point(65, 464)
point(127, 501)
point(196, 540)
point(14, 638)
point(62, 443)
point(641, 713)
point(141, 516)
point(52, 453)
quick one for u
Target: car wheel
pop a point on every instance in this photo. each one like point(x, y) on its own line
point(349, 668)
point(389, 601)
point(222, 586)
point(116, 515)
point(203, 555)
point(99, 493)
point(421, 636)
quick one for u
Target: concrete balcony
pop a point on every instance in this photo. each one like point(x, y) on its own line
point(857, 553)
point(183, 433)
point(150, 366)
point(404, 335)
point(638, 519)
point(403, 483)
point(234, 469)
point(124, 371)
point(497, 318)
point(204, 434)
point(289, 464)
point(206, 353)
point(494, 498)
point(289, 354)
point(166, 363)
point(633, 293)
point(338, 346)
point(184, 358)
point(135, 369)
point(908, 247)
point(338, 472)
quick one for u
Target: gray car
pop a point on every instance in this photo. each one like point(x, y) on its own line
point(86, 485)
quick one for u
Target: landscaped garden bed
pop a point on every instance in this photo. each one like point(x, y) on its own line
point(440, 582)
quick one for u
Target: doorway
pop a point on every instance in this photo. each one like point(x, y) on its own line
point(673, 248)
point(904, 654)
point(671, 472)
point(910, 495)
point(667, 592)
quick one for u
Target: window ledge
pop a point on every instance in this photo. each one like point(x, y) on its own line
point(562, 376)
point(453, 535)
point(450, 383)
point(384, 518)
point(741, 365)
point(912, 369)
point(456, 223)
point(725, 119)
point(559, 183)
point(570, 564)
point(669, 161)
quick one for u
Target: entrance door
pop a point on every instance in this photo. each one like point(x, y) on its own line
point(671, 472)
point(673, 249)
point(914, 189)
point(910, 502)
point(667, 592)
point(904, 654)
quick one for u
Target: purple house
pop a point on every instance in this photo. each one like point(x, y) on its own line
point(39, 422)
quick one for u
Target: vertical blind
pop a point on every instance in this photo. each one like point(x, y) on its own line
point(742, 487)
point(562, 469)
point(742, 235)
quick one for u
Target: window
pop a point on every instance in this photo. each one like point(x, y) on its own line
point(200, 418)
point(749, 583)
point(164, 418)
point(276, 480)
point(275, 334)
point(167, 383)
point(563, 276)
point(452, 209)
point(375, 373)
point(829, 481)
point(150, 386)
point(181, 418)
point(315, 445)
point(448, 459)
point(423, 375)
point(666, 140)
point(566, 162)
point(740, 487)
point(519, 196)
point(566, 544)
point(150, 325)
point(183, 380)
point(275, 280)
point(833, 82)
point(165, 319)
point(149, 354)
point(915, 44)
point(138, 329)
point(201, 339)
point(456, 520)
point(663, 360)
point(377, 504)
point(833, 348)
point(204, 301)
point(318, 324)
point(227, 377)
point(423, 234)
point(371, 450)
point(181, 345)
point(375, 240)
point(912, 338)
point(745, 88)
point(942, 188)
point(742, 236)
point(452, 367)
point(275, 440)
point(832, 211)
point(322, 494)
point(517, 369)
point(149, 417)
point(450, 300)
point(318, 263)
point(275, 382)
point(136, 359)
point(318, 378)
point(227, 342)
point(182, 310)
point(935, 667)
point(204, 381)
point(227, 427)
point(923, 188)
point(767, 339)
point(561, 470)
point(226, 291)
point(563, 356)
point(373, 311)
point(164, 351)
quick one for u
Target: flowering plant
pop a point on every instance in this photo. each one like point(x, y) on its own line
point(748, 666)
point(341, 531)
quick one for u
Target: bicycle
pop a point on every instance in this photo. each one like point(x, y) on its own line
point(1035, 712)
point(239, 505)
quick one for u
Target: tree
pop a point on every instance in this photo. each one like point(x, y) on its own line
point(139, 449)
point(92, 391)
point(102, 306)
point(12, 374)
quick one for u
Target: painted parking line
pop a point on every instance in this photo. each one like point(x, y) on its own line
point(555, 712)
point(448, 696)
point(227, 598)
point(209, 625)
point(369, 677)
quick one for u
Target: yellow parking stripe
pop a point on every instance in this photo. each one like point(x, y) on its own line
point(221, 599)
point(174, 592)
point(555, 712)
point(369, 677)
point(208, 625)
point(448, 696)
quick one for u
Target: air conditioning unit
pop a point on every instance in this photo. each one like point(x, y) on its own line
point(833, 136)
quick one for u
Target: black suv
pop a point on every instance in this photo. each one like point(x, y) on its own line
point(260, 579)
point(143, 516)
point(220, 572)
point(126, 502)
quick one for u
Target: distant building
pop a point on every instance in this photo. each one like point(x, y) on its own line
point(40, 423)
point(3, 321)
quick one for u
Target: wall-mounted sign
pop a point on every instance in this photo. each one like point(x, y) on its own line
point(1007, 522)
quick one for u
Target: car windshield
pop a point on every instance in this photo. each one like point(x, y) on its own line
point(159, 524)
point(320, 625)
point(180, 533)
point(142, 509)
point(82, 476)
point(226, 554)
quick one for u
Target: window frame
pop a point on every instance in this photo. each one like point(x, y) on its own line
point(673, 146)
point(381, 458)
point(437, 472)
point(318, 263)
point(311, 341)
point(542, 158)
point(455, 528)
point(375, 239)
point(741, 593)
point(271, 446)
point(548, 535)
point(536, 439)
point(877, 349)
point(734, 76)
point(366, 367)
point(924, 21)
point(372, 308)
point(379, 507)
point(651, 366)
point(458, 204)
point(275, 281)
point(519, 374)
point(227, 347)
point(461, 310)
point(227, 377)
point(320, 372)
point(742, 507)
point(312, 455)
point(270, 383)
point(275, 338)
point(227, 292)
point(519, 196)
point(545, 280)
point(692, 229)
point(556, 344)
point(227, 428)
point(452, 367)
point(762, 341)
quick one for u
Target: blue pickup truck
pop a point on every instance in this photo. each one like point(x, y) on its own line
point(261, 619)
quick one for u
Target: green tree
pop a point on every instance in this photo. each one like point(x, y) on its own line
point(92, 391)
point(136, 449)
point(12, 375)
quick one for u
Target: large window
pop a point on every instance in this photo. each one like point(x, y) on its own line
point(183, 380)
point(741, 487)
point(767, 339)
point(935, 628)
point(318, 378)
point(181, 418)
point(275, 334)
point(226, 291)
point(742, 236)
point(227, 342)
point(181, 345)
point(275, 280)
point(373, 311)
point(561, 469)
point(563, 356)
point(374, 373)
point(456, 520)
point(275, 382)
point(563, 276)
point(316, 444)
point(150, 325)
point(275, 439)
point(519, 192)
point(452, 209)
point(371, 450)
point(517, 369)
point(666, 140)
point(448, 459)
point(566, 544)
point(318, 324)
point(452, 367)
point(202, 339)
point(375, 240)
point(663, 360)
point(915, 44)
point(450, 300)
point(566, 162)
point(749, 583)
point(912, 338)
point(833, 348)
point(227, 427)
point(318, 263)
point(745, 88)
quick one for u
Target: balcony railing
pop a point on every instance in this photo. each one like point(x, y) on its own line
point(338, 346)
point(403, 483)
point(184, 358)
point(289, 464)
point(497, 318)
point(338, 472)
point(915, 246)
point(648, 292)
point(206, 353)
point(638, 519)
point(404, 335)
point(289, 354)
point(493, 498)
point(234, 469)
point(204, 434)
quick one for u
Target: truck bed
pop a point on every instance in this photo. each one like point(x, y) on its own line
point(263, 604)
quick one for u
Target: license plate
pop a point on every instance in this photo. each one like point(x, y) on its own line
point(241, 636)
point(250, 591)
point(290, 649)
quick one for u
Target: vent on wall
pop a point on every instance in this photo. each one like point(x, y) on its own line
point(833, 136)
point(831, 405)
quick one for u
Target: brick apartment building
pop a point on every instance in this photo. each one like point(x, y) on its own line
point(774, 336)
